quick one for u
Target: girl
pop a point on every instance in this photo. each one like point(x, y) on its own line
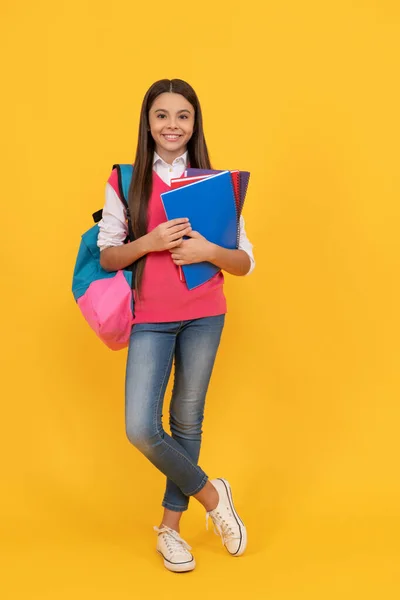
point(172, 323)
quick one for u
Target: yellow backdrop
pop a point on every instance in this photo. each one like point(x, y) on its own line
point(303, 410)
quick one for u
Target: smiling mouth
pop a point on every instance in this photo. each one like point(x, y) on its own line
point(171, 138)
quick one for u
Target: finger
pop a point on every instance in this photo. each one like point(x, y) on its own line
point(174, 244)
point(174, 222)
point(180, 262)
point(194, 234)
point(181, 229)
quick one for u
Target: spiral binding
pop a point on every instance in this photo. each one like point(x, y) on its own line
point(244, 177)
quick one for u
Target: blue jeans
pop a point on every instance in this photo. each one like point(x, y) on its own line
point(152, 348)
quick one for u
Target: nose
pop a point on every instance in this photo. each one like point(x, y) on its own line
point(172, 124)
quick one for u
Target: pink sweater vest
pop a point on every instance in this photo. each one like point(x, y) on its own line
point(163, 296)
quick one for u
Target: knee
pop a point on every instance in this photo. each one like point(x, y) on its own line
point(143, 437)
point(134, 435)
point(188, 427)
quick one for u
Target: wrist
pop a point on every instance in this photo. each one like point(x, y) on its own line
point(212, 251)
point(147, 241)
point(143, 245)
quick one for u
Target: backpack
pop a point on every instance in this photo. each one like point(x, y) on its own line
point(106, 298)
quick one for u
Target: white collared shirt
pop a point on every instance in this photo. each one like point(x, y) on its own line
point(168, 172)
point(113, 228)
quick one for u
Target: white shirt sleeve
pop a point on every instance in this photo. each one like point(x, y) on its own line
point(113, 227)
point(246, 245)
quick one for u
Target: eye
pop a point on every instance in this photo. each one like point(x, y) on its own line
point(184, 117)
point(160, 115)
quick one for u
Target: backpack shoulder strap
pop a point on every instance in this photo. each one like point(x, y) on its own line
point(124, 174)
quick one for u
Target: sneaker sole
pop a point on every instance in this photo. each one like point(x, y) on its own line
point(242, 528)
point(178, 567)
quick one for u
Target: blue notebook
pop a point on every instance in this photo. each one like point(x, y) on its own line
point(244, 177)
point(210, 207)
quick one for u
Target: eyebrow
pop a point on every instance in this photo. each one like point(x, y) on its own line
point(179, 111)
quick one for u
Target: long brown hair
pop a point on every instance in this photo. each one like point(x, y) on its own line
point(141, 184)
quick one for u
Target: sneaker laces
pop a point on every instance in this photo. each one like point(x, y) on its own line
point(221, 526)
point(174, 540)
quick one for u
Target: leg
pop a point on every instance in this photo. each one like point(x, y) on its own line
point(208, 497)
point(196, 347)
point(149, 365)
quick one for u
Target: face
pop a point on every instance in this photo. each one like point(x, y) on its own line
point(171, 119)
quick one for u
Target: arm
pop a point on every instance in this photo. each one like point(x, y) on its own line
point(114, 254)
point(235, 262)
point(166, 236)
point(119, 257)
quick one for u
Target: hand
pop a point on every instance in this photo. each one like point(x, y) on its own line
point(196, 249)
point(168, 235)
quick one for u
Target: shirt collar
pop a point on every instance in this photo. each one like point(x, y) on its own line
point(180, 159)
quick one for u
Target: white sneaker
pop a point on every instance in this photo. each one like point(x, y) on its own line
point(226, 521)
point(174, 550)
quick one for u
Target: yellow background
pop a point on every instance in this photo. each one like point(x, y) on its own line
point(303, 411)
